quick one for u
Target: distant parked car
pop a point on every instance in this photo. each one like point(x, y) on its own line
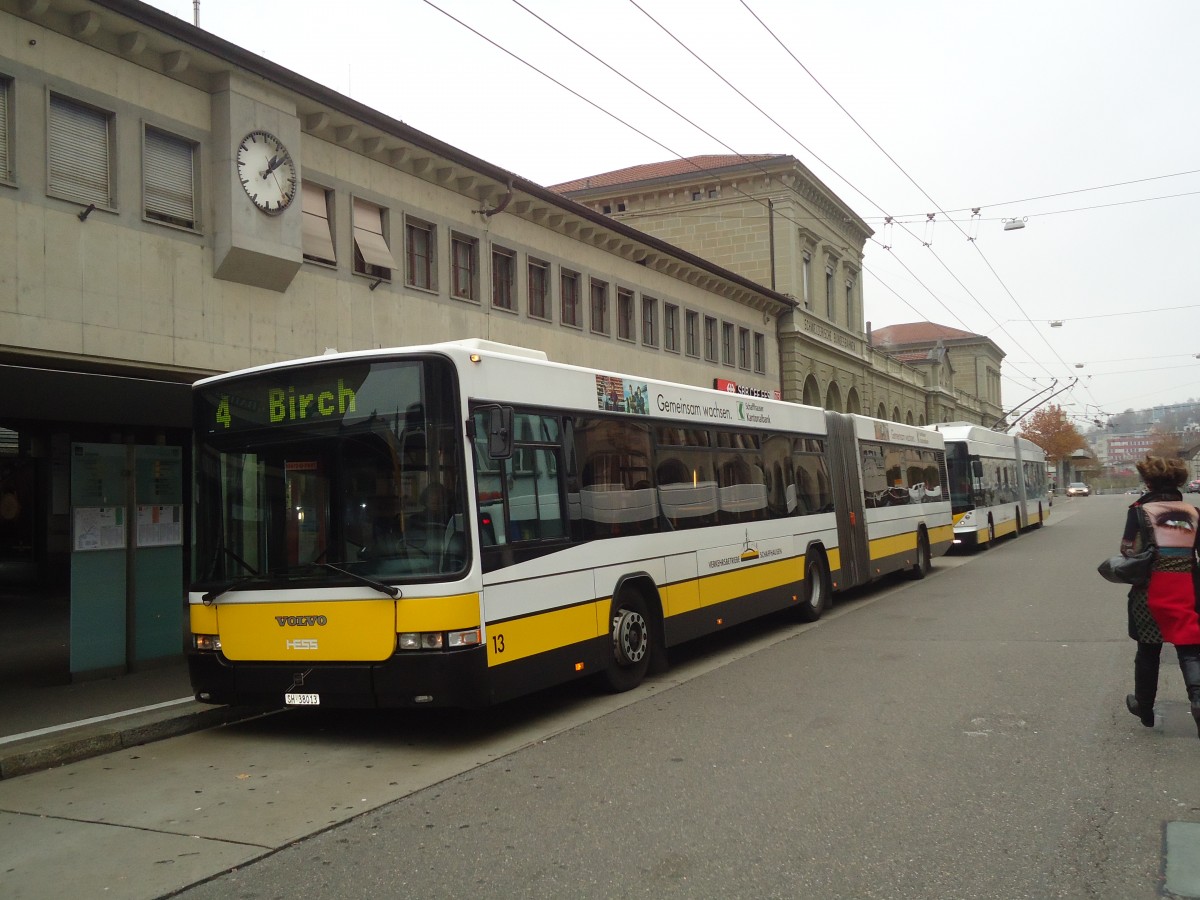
point(1078, 489)
point(1193, 487)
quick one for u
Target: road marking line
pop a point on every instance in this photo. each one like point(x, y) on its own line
point(92, 721)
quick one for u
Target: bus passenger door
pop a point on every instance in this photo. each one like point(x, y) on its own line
point(853, 546)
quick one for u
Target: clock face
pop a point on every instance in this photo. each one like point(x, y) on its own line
point(267, 172)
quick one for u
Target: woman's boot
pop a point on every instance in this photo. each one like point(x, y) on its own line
point(1189, 664)
point(1145, 683)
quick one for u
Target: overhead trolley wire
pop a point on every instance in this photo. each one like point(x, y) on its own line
point(913, 181)
point(659, 143)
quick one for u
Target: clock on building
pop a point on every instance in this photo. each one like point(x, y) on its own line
point(267, 172)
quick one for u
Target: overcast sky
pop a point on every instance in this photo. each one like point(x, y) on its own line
point(958, 105)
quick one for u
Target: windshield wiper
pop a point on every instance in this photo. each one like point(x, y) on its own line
point(210, 596)
point(228, 586)
point(391, 590)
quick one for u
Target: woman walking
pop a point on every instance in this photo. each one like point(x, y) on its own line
point(1166, 608)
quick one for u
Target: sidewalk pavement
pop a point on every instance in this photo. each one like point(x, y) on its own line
point(42, 726)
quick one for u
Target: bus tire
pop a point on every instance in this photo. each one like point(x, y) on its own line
point(924, 562)
point(991, 534)
point(632, 643)
point(816, 587)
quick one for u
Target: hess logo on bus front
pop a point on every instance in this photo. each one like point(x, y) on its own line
point(301, 622)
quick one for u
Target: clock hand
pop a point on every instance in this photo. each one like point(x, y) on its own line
point(272, 164)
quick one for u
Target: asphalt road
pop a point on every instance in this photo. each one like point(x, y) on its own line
point(964, 736)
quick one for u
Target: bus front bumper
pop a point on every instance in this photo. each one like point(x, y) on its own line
point(405, 680)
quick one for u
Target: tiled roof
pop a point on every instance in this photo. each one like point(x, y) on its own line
point(650, 171)
point(911, 356)
point(917, 333)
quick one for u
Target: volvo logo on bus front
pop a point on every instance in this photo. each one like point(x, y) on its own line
point(300, 621)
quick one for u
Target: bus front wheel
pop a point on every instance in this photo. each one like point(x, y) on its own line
point(632, 644)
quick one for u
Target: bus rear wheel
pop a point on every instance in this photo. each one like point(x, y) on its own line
point(921, 568)
point(816, 588)
point(633, 643)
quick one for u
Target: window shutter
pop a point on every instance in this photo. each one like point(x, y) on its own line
point(169, 180)
point(5, 172)
point(318, 237)
point(368, 235)
point(79, 152)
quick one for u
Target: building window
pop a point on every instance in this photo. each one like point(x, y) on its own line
point(693, 333)
point(463, 264)
point(671, 327)
point(829, 293)
point(620, 207)
point(504, 273)
point(850, 303)
point(805, 276)
point(372, 256)
point(316, 230)
point(169, 178)
point(760, 352)
point(743, 348)
point(710, 338)
point(727, 343)
point(6, 172)
point(80, 152)
point(607, 210)
point(649, 321)
point(599, 307)
point(712, 194)
point(539, 289)
point(625, 314)
point(420, 252)
point(570, 298)
point(695, 195)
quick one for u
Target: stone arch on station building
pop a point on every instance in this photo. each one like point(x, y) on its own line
point(908, 419)
point(852, 403)
point(881, 413)
point(833, 397)
point(812, 391)
point(896, 414)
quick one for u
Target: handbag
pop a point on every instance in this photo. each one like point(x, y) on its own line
point(1134, 569)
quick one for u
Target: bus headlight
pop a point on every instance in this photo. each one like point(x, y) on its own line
point(206, 641)
point(437, 640)
point(416, 640)
point(468, 638)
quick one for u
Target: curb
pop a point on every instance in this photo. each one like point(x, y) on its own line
point(48, 751)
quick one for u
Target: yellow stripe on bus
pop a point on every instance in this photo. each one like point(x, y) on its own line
point(750, 580)
point(890, 546)
point(522, 638)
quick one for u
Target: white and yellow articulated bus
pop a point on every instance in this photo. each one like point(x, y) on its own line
point(461, 523)
point(998, 483)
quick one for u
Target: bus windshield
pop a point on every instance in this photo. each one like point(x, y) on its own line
point(323, 473)
point(962, 481)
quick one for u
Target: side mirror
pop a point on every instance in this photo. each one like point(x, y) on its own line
point(500, 432)
point(977, 467)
